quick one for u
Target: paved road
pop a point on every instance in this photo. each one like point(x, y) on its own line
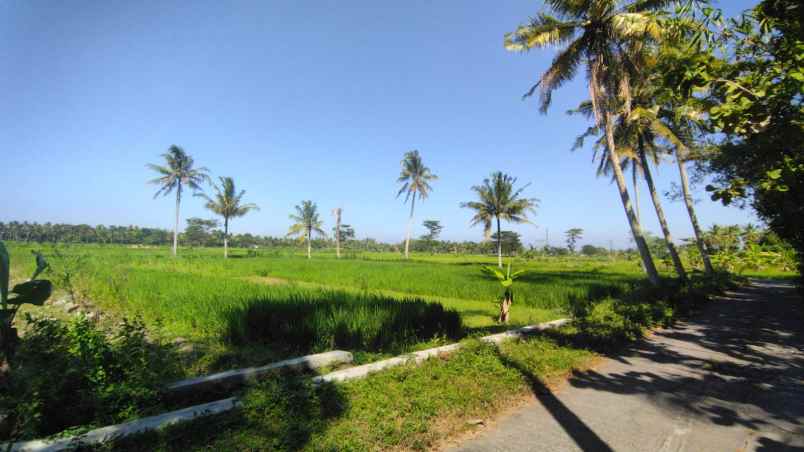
point(731, 379)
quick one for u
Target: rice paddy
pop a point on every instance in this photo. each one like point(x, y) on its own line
point(372, 302)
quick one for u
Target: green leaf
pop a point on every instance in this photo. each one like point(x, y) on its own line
point(493, 271)
point(32, 292)
point(518, 273)
point(774, 174)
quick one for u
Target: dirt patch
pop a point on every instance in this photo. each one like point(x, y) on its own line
point(267, 280)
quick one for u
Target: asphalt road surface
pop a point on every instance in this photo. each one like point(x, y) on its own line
point(729, 379)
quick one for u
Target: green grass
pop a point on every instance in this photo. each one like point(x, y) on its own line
point(255, 309)
point(403, 408)
point(546, 285)
point(195, 295)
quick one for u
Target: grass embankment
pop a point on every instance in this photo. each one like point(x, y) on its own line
point(415, 408)
point(403, 408)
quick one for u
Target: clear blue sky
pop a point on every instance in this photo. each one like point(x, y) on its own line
point(296, 100)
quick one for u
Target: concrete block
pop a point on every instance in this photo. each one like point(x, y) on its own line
point(239, 377)
point(111, 432)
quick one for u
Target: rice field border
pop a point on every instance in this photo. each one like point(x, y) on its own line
point(161, 421)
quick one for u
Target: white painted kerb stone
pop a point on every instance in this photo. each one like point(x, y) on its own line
point(251, 374)
point(161, 421)
point(418, 357)
point(524, 331)
point(112, 432)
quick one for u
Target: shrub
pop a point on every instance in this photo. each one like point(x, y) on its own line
point(612, 321)
point(70, 374)
point(303, 323)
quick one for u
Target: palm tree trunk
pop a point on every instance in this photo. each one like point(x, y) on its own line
point(657, 204)
point(685, 187)
point(309, 245)
point(338, 233)
point(410, 227)
point(225, 238)
point(636, 195)
point(636, 229)
point(636, 190)
point(499, 244)
point(176, 224)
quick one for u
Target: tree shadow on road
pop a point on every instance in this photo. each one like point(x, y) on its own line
point(740, 362)
point(581, 434)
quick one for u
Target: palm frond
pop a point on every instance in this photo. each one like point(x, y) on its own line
point(562, 69)
point(542, 31)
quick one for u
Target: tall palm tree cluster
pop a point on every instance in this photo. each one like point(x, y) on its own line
point(498, 200)
point(637, 122)
point(616, 43)
point(179, 173)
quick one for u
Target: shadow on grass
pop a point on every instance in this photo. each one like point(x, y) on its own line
point(281, 414)
point(338, 320)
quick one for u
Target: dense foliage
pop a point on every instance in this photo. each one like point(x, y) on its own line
point(74, 374)
point(749, 80)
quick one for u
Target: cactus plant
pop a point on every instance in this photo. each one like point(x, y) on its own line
point(34, 291)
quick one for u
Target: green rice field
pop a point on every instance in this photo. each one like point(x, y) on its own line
point(375, 303)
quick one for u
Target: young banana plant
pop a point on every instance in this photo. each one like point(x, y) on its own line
point(34, 291)
point(506, 281)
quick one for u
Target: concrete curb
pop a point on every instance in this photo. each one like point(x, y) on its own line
point(112, 432)
point(249, 375)
point(420, 356)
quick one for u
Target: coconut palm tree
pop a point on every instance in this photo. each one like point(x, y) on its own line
point(637, 142)
point(228, 204)
point(415, 179)
point(676, 136)
point(306, 223)
point(498, 200)
point(603, 36)
point(178, 173)
point(573, 235)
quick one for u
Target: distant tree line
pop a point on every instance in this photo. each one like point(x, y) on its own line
point(201, 232)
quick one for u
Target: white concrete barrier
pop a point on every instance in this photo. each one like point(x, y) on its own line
point(417, 357)
point(250, 375)
point(112, 432)
point(524, 331)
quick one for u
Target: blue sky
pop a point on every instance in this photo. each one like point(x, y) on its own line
point(295, 100)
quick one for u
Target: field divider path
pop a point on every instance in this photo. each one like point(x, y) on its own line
point(161, 421)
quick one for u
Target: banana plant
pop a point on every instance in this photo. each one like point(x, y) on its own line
point(506, 281)
point(34, 292)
